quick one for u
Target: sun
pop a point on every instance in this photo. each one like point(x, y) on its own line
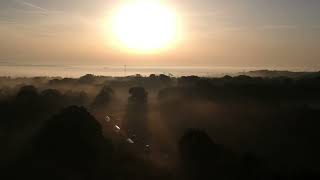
point(145, 26)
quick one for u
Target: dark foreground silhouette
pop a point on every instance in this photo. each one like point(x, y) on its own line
point(160, 127)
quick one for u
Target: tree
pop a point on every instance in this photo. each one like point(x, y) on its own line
point(104, 97)
point(87, 79)
point(69, 146)
point(198, 154)
point(135, 121)
point(138, 95)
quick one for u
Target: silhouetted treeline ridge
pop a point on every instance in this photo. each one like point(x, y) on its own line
point(275, 73)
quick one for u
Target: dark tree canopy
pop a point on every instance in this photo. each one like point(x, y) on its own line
point(138, 95)
point(104, 97)
point(87, 79)
point(69, 145)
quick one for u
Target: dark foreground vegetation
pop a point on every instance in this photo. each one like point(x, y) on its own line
point(159, 127)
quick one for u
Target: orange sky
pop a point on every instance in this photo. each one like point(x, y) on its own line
point(259, 33)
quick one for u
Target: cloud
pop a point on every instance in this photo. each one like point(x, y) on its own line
point(34, 6)
point(317, 27)
point(278, 27)
point(26, 7)
point(236, 28)
point(211, 13)
point(29, 19)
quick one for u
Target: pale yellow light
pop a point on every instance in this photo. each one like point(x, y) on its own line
point(145, 26)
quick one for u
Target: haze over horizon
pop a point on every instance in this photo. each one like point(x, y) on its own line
point(214, 33)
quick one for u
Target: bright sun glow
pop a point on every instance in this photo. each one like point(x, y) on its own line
point(145, 26)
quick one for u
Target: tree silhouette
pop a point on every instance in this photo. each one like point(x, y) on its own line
point(136, 116)
point(138, 95)
point(201, 158)
point(69, 146)
point(87, 79)
point(104, 97)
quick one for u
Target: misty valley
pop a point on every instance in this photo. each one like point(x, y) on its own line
point(160, 127)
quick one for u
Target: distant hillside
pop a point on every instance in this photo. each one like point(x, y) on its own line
point(273, 74)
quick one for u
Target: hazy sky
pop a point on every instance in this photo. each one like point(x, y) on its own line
point(241, 33)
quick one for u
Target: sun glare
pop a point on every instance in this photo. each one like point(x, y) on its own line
point(144, 26)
